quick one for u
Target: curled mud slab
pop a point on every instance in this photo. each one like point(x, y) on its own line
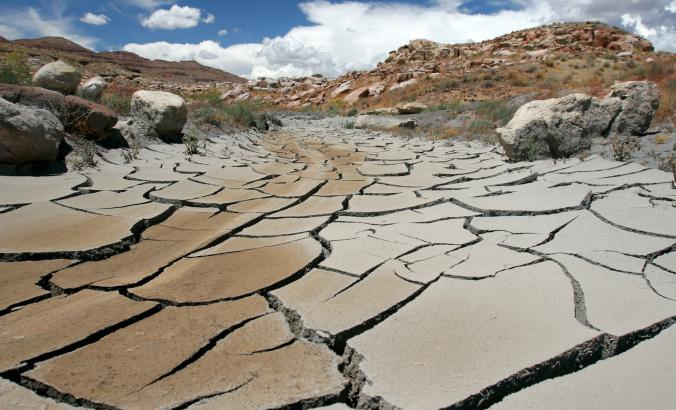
point(325, 267)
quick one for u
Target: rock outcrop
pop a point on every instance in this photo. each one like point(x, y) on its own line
point(166, 112)
point(57, 76)
point(27, 134)
point(383, 122)
point(563, 127)
point(639, 101)
point(410, 108)
point(92, 89)
point(88, 119)
point(34, 96)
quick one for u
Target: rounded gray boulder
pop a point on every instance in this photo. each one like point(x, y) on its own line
point(57, 76)
point(27, 134)
point(639, 101)
point(92, 89)
point(166, 112)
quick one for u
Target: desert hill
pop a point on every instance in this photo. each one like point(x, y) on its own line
point(544, 61)
point(119, 67)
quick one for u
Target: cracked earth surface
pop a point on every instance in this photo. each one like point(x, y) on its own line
point(320, 266)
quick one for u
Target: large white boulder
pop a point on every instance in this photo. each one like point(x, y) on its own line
point(28, 134)
point(57, 76)
point(166, 112)
point(92, 89)
point(563, 127)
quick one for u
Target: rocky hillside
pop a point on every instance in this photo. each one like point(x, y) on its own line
point(546, 61)
point(121, 68)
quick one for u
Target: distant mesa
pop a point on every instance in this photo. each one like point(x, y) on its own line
point(119, 63)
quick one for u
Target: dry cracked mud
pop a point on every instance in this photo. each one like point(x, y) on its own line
point(326, 267)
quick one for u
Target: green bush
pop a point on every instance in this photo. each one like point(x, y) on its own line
point(453, 106)
point(480, 126)
point(119, 103)
point(497, 111)
point(14, 70)
point(243, 114)
point(353, 111)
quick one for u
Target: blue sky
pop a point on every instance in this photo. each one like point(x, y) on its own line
point(293, 37)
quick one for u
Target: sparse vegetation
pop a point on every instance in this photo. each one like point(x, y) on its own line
point(85, 154)
point(349, 125)
point(191, 140)
point(353, 111)
point(624, 147)
point(480, 126)
point(531, 149)
point(118, 102)
point(453, 106)
point(242, 114)
point(496, 110)
point(14, 70)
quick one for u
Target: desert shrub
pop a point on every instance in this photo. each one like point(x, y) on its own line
point(241, 114)
point(488, 84)
point(453, 106)
point(211, 97)
point(667, 109)
point(446, 84)
point(630, 64)
point(348, 125)
point(548, 62)
point(119, 103)
point(353, 111)
point(516, 79)
point(480, 126)
point(85, 154)
point(14, 70)
point(497, 111)
point(444, 133)
point(530, 149)
point(191, 140)
point(623, 147)
point(531, 69)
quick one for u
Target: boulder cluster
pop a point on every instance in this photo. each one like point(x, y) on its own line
point(563, 127)
point(35, 119)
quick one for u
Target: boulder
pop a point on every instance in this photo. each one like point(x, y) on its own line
point(92, 89)
point(558, 127)
point(28, 134)
point(563, 127)
point(404, 84)
point(381, 122)
point(34, 97)
point(88, 119)
point(166, 112)
point(383, 111)
point(410, 108)
point(57, 76)
point(639, 101)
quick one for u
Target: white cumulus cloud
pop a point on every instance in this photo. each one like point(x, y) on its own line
point(176, 17)
point(210, 18)
point(222, 33)
point(95, 19)
point(30, 23)
point(351, 35)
